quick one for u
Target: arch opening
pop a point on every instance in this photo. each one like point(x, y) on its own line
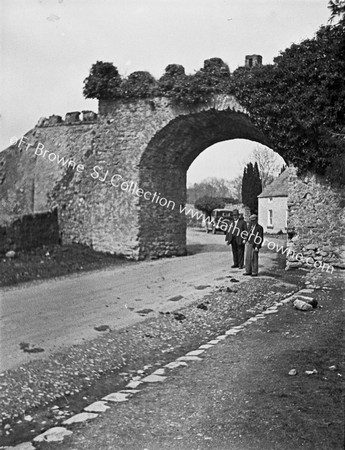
point(163, 171)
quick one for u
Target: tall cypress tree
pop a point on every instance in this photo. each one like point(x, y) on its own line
point(251, 186)
point(256, 188)
point(245, 186)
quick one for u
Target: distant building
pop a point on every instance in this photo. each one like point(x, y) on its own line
point(253, 60)
point(273, 205)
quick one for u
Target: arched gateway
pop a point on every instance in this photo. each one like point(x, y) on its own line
point(164, 164)
point(119, 180)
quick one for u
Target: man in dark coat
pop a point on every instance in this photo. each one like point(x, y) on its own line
point(235, 238)
point(254, 239)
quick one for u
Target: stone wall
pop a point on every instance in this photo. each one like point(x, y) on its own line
point(29, 232)
point(28, 177)
point(118, 179)
point(134, 158)
point(316, 221)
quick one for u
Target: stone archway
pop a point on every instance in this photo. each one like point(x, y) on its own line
point(163, 168)
point(133, 147)
point(147, 143)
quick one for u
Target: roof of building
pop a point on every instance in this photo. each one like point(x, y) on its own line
point(278, 187)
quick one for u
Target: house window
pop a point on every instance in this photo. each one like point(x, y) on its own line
point(270, 217)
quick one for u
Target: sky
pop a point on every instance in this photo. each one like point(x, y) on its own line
point(48, 47)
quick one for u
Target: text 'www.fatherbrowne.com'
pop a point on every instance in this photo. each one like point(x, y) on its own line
point(130, 186)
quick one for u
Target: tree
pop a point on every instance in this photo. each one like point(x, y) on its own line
point(103, 82)
point(257, 186)
point(245, 185)
point(251, 186)
point(298, 102)
point(236, 188)
point(210, 187)
point(269, 164)
point(208, 204)
point(337, 8)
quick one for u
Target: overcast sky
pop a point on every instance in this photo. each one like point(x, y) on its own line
point(48, 47)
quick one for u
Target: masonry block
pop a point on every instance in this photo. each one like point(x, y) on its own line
point(72, 117)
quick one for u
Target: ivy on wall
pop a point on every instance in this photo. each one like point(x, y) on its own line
point(139, 85)
point(213, 78)
point(105, 83)
point(298, 101)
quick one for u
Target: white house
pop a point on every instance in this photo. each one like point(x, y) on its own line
point(273, 205)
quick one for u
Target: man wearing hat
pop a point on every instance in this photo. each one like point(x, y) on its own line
point(253, 244)
point(233, 237)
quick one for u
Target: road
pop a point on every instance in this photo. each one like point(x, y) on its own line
point(239, 394)
point(59, 313)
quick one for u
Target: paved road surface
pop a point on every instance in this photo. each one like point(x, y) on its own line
point(59, 313)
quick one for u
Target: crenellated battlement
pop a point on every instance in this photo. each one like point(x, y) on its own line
point(71, 118)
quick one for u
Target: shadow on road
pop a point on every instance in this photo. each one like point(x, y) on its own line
point(198, 241)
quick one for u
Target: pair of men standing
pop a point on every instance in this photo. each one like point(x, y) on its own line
point(245, 243)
